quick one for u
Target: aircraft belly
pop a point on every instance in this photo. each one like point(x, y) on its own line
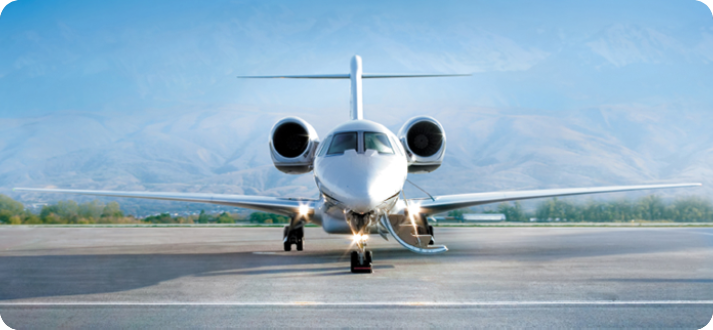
point(335, 225)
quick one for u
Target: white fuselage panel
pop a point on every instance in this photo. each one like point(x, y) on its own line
point(358, 180)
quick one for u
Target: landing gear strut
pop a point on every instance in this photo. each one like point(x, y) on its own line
point(294, 236)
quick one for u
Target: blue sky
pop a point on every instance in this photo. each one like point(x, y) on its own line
point(94, 56)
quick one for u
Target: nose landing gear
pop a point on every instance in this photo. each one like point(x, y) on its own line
point(361, 259)
point(361, 263)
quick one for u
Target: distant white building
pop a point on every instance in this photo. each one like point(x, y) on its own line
point(437, 219)
point(485, 217)
point(34, 207)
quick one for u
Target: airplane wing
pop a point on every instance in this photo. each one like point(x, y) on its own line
point(283, 206)
point(447, 203)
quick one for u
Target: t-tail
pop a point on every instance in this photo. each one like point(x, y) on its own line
point(356, 110)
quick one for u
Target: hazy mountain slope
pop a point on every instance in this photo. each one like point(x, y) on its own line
point(225, 151)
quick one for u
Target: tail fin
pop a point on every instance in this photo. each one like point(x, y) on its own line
point(356, 75)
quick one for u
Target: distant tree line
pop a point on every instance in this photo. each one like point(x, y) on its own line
point(650, 208)
point(64, 212)
point(96, 212)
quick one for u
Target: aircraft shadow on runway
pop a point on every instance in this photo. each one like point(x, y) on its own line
point(64, 275)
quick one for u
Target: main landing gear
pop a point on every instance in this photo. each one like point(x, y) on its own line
point(430, 232)
point(294, 236)
point(361, 259)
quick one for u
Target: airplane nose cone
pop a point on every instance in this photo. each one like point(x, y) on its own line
point(361, 183)
point(366, 195)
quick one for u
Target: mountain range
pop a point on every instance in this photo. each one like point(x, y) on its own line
point(226, 151)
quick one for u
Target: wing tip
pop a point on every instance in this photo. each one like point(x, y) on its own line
point(691, 184)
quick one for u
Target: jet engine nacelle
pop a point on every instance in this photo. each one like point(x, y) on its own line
point(425, 144)
point(293, 143)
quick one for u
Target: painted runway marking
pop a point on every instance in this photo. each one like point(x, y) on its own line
point(369, 304)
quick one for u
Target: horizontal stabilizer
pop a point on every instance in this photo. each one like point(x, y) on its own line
point(304, 76)
point(364, 76)
point(356, 75)
point(407, 75)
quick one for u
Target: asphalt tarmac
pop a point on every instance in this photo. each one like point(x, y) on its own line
point(239, 277)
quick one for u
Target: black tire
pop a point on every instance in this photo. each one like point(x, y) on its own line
point(430, 232)
point(358, 268)
point(287, 246)
point(355, 261)
point(299, 245)
point(299, 233)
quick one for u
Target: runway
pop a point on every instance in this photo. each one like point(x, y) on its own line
point(239, 277)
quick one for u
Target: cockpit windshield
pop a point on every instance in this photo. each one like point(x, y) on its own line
point(342, 142)
point(378, 142)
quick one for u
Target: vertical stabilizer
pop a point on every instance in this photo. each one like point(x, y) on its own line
point(357, 110)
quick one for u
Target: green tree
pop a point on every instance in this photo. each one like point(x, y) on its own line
point(9, 208)
point(204, 217)
point(91, 210)
point(456, 214)
point(512, 212)
point(112, 210)
point(161, 218)
point(261, 217)
point(553, 209)
point(692, 209)
point(225, 218)
point(652, 208)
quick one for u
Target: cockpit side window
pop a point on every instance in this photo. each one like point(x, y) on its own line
point(395, 142)
point(378, 142)
point(323, 146)
point(342, 142)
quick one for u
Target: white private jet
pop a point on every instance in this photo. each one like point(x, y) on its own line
point(360, 169)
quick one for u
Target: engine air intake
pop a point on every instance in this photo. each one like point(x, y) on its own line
point(425, 143)
point(293, 143)
point(290, 140)
point(425, 139)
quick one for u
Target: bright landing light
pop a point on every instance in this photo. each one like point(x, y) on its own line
point(304, 209)
point(358, 237)
point(414, 209)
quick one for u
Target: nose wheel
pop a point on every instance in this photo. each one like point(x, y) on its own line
point(361, 259)
point(361, 262)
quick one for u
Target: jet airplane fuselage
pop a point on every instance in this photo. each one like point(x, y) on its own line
point(360, 169)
